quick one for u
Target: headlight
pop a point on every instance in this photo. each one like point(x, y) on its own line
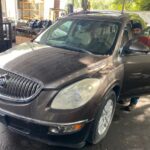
point(76, 95)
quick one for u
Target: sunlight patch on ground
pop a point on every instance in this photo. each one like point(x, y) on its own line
point(144, 101)
point(144, 104)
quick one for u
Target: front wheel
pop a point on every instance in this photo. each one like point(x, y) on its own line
point(103, 118)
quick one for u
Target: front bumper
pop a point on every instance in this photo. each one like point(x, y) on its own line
point(39, 130)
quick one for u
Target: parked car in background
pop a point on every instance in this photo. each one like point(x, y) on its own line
point(32, 27)
point(62, 88)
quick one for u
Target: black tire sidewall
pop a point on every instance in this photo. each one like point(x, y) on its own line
point(94, 136)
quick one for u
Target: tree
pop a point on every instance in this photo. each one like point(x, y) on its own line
point(130, 5)
point(134, 5)
point(101, 4)
point(77, 3)
point(145, 5)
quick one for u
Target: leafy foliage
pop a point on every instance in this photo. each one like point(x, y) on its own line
point(145, 5)
point(138, 19)
point(132, 5)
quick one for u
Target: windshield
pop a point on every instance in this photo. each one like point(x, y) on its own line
point(96, 37)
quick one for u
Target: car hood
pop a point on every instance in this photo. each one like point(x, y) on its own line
point(52, 66)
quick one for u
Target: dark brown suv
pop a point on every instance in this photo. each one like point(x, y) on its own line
point(62, 88)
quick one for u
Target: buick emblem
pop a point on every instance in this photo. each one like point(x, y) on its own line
point(3, 80)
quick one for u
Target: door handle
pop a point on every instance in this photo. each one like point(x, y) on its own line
point(140, 75)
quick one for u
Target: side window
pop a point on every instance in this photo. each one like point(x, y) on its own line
point(146, 32)
point(127, 35)
point(125, 38)
point(129, 29)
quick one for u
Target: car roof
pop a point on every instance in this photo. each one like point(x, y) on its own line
point(98, 15)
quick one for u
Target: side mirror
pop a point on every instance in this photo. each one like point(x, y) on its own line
point(136, 46)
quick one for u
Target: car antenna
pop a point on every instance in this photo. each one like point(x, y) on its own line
point(123, 5)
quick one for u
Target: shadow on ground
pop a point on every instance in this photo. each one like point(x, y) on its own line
point(129, 131)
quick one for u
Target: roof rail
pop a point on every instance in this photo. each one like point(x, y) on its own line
point(83, 12)
point(93, 12)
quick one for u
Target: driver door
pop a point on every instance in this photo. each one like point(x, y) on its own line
point(137, 68)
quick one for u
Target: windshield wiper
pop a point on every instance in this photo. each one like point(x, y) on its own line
point(85, 51)
point(73, 48)
point(36, 42)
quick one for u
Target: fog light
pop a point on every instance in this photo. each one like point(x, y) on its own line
point(54, 130)
point(73, 128)
point(61, 129)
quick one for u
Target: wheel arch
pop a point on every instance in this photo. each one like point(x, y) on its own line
point(114, 87)
point(117, 90)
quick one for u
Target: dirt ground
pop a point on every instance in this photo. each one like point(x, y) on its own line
point(22, 39)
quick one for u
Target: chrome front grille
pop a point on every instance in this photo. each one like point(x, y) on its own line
point(17, 88)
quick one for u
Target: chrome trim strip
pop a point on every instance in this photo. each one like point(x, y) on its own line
point(20, 100)
point(40, 122)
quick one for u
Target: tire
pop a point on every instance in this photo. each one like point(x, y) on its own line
point(97, 132)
